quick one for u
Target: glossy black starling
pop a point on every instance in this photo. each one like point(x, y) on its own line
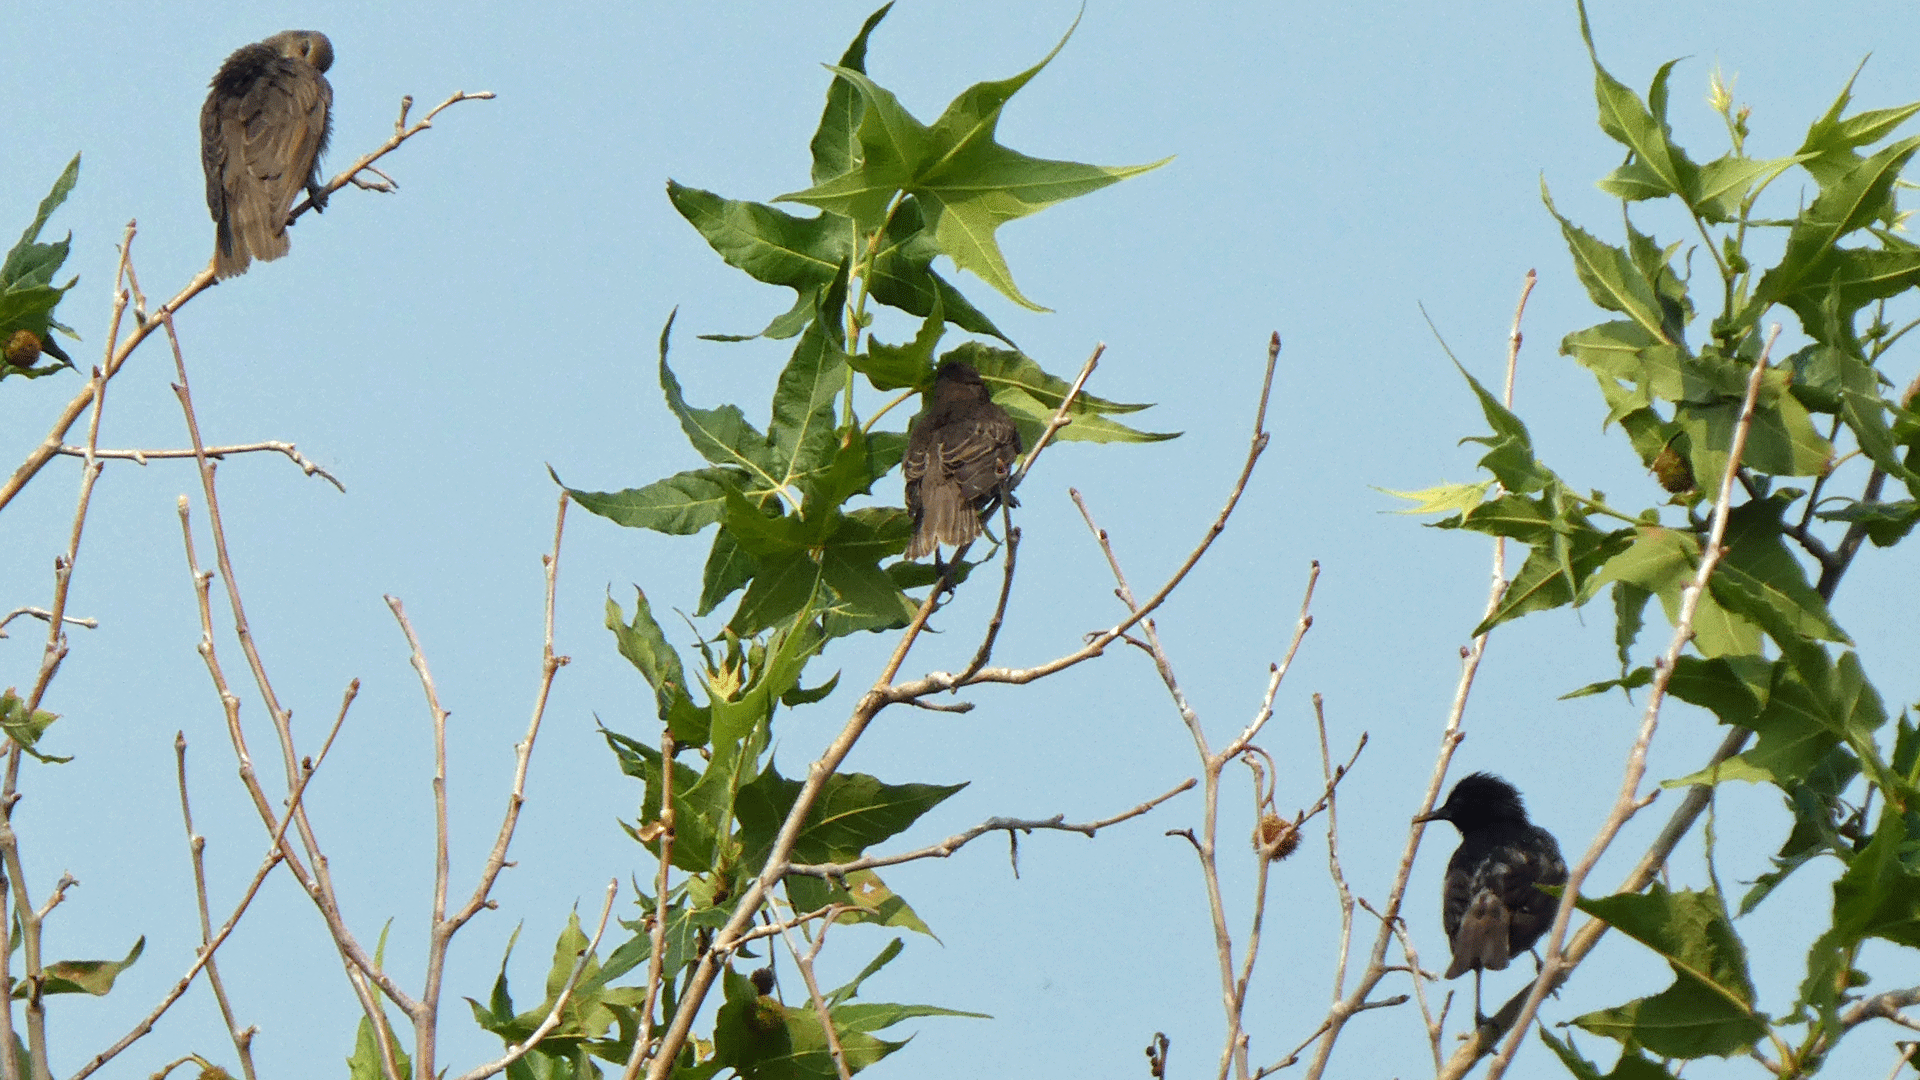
point(959, 457)
point(1491, 909)
point(262, 131)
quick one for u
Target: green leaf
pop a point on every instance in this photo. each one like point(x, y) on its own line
point(771, 245)
point(1443, 499)
point(1877, 897)
point(1510, 455)
point(679, 505)
point(1663, 561)
point(1831, 140)
point(365, 1062)
point(836, 142)
point(721, 435)
point(1723, 184)
point(867, 898)
point(901, 275)
point(30, 263)
point(645, 646)
point(802, 427)
point(25, 730)
point(1556, 574)
point(1886, 523)
point(1709, 1009)
point(892, 367)
point(694, 844)
point(1814, 801)
point(1663, 166)
point(84, 976)
point(1852, 201)
point(1610, 276)
point(728, 569)
point(966, 183)
point(866, 598)
point(1759, 579)
point(853, 812)
point(782, 586)
point(1629, 614)
point(1631, 1066)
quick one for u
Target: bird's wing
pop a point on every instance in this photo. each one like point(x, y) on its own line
point(980, 455)
point(284, 123)
point(213, 155)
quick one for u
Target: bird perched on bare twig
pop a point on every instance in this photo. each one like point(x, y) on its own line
point(959, 457)
point(1492, 908)
point(262, 131)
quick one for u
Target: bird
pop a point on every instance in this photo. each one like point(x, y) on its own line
point(262, 131)
point(1491, 906)
point(959, 456)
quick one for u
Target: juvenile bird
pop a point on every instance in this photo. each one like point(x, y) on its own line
point(1492, 908)
point(958, 459)
point(262, 131)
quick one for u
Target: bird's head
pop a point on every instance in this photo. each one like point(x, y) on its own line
point(958, 381)
point(1480, 800)
point(309, 45)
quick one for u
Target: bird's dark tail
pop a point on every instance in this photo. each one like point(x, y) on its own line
point(945, 518)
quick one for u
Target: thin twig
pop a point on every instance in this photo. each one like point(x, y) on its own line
point(46, 616)
point(804, 962)
point(1060, 418)
point(1625, 804)
point(196, 853)
point(426, 1019)
point(275, 855)
point(401, 133)
point(958, 840)
point(985, 651)
point(363, 973)
point(141, 457)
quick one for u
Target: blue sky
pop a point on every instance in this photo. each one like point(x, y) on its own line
point(1337, 168)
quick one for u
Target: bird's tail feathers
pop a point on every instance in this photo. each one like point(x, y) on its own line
point(945, 518)
point(254, 230)
point(1481, 941)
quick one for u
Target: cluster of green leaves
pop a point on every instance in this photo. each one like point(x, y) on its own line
point(811, 552)
point(1767, 654)
point(28, 294)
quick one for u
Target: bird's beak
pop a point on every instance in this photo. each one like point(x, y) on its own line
point(1437, 815)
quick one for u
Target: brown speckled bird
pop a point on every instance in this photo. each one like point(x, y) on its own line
point(262, 131)
point(959, 457)
point(1492, 908)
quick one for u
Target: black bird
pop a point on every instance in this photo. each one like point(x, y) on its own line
point(262, 131)
point(959, 456)
point(1491, 908)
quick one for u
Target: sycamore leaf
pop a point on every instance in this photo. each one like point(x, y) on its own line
point(964, 181)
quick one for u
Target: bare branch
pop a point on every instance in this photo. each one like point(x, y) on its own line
point(47, 617)
point(959, 840)
point(401, 133)
point(218, 453)
point(275, 854)
point(1060, 418)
